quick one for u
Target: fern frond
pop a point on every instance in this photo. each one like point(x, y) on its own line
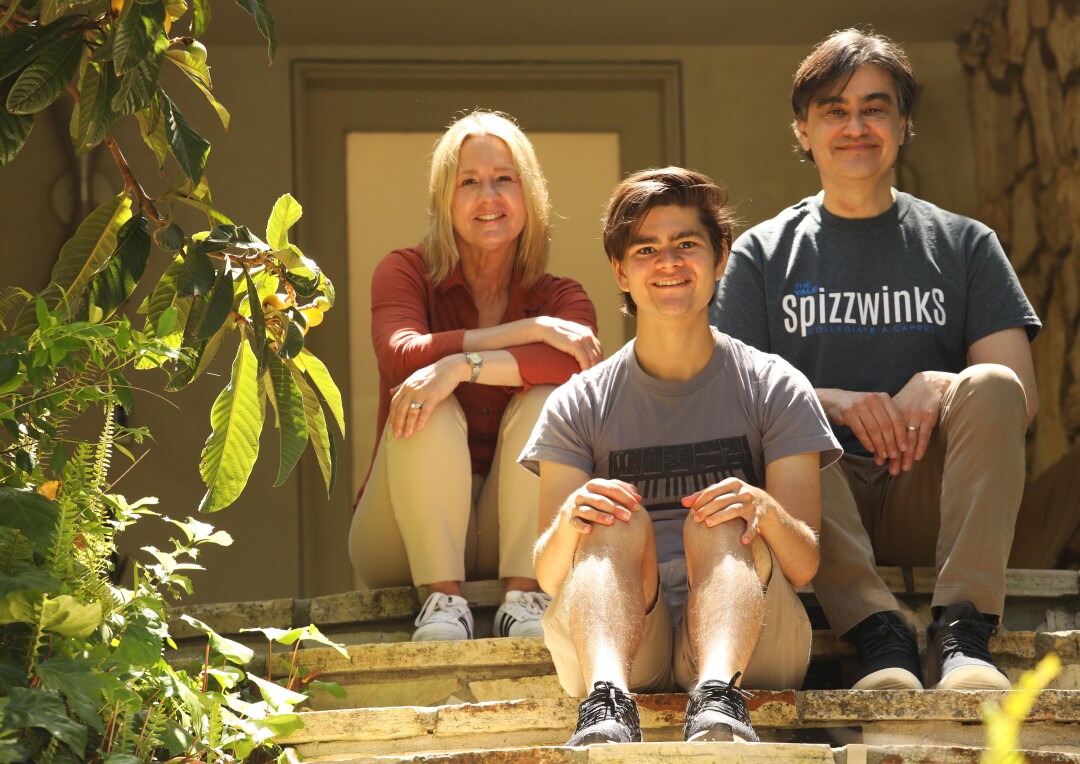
point(103, 454)
point(10, 296)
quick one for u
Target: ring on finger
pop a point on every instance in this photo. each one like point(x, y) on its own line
point(913, 428)
point(416, 405)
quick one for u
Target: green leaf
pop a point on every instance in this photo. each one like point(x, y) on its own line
point(319, 374)
point(258, 320)
point(93, 117)
point(110, 288)
point(20, 606)
point(200, 17)
point(138, 86)
point(219, 306)
point(44, 709)
point(192, 62)
point(82, 685)
point(309, 633)
point(294, 341)
point(164, 293)
point(19, 54)
point(67, 616)
point(292, 423)
point(135, 32)
point(233, 445)
point(276, 695)
point(170, 238)
point(46, 77)
point(320, 437)
point(227, 648)
point(140, 646)
point(188, 147)
point(152, 128)
point(166, 322)
point(85, 253)
point(197, 276)
point(14, 129)
point(283, 217)
point(264, 20)
point(14, 45)
point(32, 514)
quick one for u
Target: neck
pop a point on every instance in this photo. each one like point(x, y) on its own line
point(858, 201)
point(487, 272)
point(674, 351)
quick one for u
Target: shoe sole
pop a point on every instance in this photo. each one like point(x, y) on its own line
point(892, 678)
point(720, 733)
point(597, 738)
point(974, 678)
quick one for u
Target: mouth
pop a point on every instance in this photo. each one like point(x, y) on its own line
point(490, 216)
point(671, 282)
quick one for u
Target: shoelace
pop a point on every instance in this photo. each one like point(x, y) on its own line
point(886, 637)
point(435, 605)
point(723, 697)
point(535, 603)
point(969, 637)
point(605, 702)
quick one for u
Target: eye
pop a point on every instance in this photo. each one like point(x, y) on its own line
point(646, 250)
point(467, 182)
point(506, 179)
point(687, 244)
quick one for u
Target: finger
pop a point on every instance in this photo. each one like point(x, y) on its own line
point(588, 504)
point(580, 525)
point(926, 429)
point(883, 429)
point(751, 530)
point(412, 416)
point(617, 491)
point(726, 514)
point(601, 516)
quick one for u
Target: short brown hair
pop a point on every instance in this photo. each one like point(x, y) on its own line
point(671, 186)
point(834, 60)
point(440, 248)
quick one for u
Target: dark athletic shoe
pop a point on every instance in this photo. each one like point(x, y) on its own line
point(717, 712)
point(608, 715)
point(959, 646)
point(888, 653)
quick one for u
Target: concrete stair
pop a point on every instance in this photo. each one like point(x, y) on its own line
point(498, 700)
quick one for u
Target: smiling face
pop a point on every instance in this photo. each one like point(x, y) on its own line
point(488, 203)
point(856, 134)
point(670, 267)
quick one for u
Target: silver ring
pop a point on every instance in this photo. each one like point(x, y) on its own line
point(913, 428)
point(415, 405)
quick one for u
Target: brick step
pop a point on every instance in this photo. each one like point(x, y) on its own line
point(759, 753)
point(837, 718)
point(481, 670)
point(372, 615)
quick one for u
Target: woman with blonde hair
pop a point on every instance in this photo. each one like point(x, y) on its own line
point(471, 334)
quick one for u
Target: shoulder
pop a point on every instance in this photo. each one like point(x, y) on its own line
point(409, 260)
point(766, 371)
point(550, 286)
point(927, 215)
point(761, 237)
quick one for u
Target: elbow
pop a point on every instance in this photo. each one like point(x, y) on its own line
point(806, 572)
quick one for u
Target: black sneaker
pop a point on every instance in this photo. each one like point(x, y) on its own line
point(717, 712)
point(888, 653)
point(959, 647)
point(608, 715)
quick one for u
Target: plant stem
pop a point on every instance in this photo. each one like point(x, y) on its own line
point(133, 185)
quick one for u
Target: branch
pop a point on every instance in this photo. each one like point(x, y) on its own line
point(15, 15)
point(132, 184)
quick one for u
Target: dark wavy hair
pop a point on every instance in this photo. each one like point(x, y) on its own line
point(670, 186)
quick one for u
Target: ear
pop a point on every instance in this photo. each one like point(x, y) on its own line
point(721, 263)
point(799, 128)
point(903, 130)
point(620, 275)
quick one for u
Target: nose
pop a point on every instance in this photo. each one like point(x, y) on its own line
point(855, 125)
point(670, 256)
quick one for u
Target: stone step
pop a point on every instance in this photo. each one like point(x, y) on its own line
point(759, 753)
point(481, 670)
point(373, 615)
point(837, 718)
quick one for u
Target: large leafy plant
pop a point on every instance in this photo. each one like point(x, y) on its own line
point(82, 672)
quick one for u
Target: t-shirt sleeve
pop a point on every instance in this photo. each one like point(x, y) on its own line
point(563, 432)
point(540, 363)
point(400, 331)
point(995, 299)
point(793, 421)
point(739, 309)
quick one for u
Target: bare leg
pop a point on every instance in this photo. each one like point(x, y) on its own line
point(726, 607)
point(613, 585)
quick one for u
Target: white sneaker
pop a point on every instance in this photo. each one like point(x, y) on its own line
point(520, 614)
point(443, 617)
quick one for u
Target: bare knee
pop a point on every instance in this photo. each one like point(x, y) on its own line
point(707, 547)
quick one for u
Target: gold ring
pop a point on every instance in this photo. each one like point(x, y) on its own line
point(415, 405)
point(913, 428)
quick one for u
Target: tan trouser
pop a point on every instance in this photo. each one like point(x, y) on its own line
point(956, 508)
point(424, 517)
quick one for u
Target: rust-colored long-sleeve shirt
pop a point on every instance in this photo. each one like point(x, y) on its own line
point(415, 323)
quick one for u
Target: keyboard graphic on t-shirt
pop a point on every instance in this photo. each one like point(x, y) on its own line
point(665, 474)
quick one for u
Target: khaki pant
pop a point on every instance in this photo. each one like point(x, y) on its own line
point(424, 517)
point(955, 510)
point(665, 657)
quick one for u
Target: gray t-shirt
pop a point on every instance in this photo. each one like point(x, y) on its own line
point(670, 439)
point(865, 304)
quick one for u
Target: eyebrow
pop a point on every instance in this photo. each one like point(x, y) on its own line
point(690, 233)
point(838, 99)
point(504, 168)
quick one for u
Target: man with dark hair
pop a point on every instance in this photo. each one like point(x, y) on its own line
point(914, 331)
point(681, 473)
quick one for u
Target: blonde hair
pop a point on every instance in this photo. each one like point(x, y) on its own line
point(440, 249)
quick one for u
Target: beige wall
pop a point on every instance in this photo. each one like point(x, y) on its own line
point(735, 127)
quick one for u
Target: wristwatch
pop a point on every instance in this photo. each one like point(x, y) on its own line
point(477, 362)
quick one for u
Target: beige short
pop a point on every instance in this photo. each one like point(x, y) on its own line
point(665, 658)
